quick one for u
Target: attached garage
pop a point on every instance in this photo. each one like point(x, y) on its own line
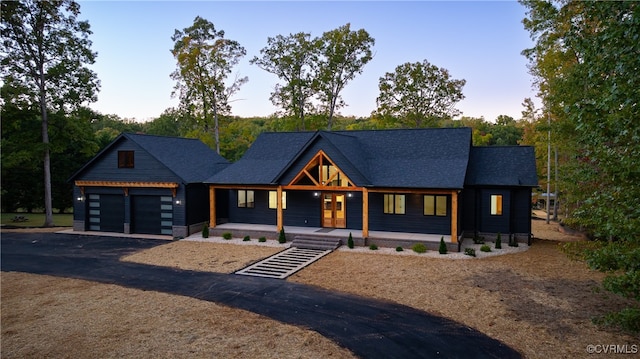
point(146, 184)
point(152, 214)
point(105, 213)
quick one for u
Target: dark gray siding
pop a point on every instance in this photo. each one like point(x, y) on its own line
point(521, 209)
point(494, 223)
point(146, 167)
point(303, 209)
point(78, 206)
point(468, 204)
point(260, 214)
point(516, 210)
point(413, 221)
point(354, 210)
point(196, 206)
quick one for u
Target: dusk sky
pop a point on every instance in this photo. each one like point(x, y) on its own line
point(477, 41)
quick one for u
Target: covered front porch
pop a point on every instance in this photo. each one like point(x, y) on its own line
point(379, 238)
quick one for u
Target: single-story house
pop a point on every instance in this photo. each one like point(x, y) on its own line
point(430, 181)
point(146, 184)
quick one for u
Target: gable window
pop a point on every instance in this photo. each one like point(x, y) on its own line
point(496, 205)
point(394, 204)
point(246, 198)
point(125, 159)
point(435, 205)
point(273, 199)
point(321, 172)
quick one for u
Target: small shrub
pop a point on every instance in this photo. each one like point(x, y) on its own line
point(282, 238)
point(373, 247)
point(498, 242)
point(246, 239)
point(485, 248)
point(399, 249)
point(205, 230)
point(227, 235)
point(443, 246)
point(627, 319)
point(262, 239)
point(419, 248)
point(477, 239)
point(513, 241)
point(470, 252)
point(350, 241)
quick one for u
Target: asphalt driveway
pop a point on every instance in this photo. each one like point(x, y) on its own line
point(369, 328)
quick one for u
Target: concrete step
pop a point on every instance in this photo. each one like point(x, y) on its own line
point(316, 242)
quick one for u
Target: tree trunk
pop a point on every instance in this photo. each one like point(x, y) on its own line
point(48, 207)
point(216, 129)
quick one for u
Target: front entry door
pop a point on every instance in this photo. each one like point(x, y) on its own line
point(333, 210)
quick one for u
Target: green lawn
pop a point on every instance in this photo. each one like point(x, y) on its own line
point(36, 219)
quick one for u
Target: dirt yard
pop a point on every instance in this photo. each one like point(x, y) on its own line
point(536, 301)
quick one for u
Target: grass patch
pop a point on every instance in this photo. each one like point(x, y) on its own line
point(36, 219)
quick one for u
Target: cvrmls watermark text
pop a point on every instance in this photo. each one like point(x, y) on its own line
point(612, 348)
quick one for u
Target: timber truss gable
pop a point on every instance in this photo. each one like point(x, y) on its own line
point(321, 173)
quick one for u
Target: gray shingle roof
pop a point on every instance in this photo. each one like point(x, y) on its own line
point(502, 166)
point(189, 159)
point(416, 158)
point(269, 154)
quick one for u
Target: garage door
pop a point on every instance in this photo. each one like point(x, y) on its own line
point(105, 213)
point(151, 214)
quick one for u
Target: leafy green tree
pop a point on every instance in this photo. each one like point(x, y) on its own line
point(342, 55)
point(20, 151)
point(586, 58)
point(506, 131)
point(73, 144)
point(168, 124)
point(205, 60)
point(419, 94)
point(45, 49)
point(108, 127)
point(293, 59)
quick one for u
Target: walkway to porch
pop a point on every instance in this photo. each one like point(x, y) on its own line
point(379, 238)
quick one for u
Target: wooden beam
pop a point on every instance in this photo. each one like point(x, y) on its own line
point(212, 206)
point(126, 184)
point(413, 191)
point(255, 187)
point(454, 216)
point(279, 218)
point(365, 213)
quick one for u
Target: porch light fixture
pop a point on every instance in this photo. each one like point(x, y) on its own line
point(80, 199)
point(349, 194)
point(316, 194)
point(178, 202)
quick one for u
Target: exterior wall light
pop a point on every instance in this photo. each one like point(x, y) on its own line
point(80, 199)
point(316, 194)
point(349, 194)
point(178, 202)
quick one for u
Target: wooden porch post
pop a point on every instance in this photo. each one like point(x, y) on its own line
point(212, 206)
point(365, 213)
point(454, 216)
point(279, 218)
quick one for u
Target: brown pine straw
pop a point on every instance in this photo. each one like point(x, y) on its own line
point(536, 301)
